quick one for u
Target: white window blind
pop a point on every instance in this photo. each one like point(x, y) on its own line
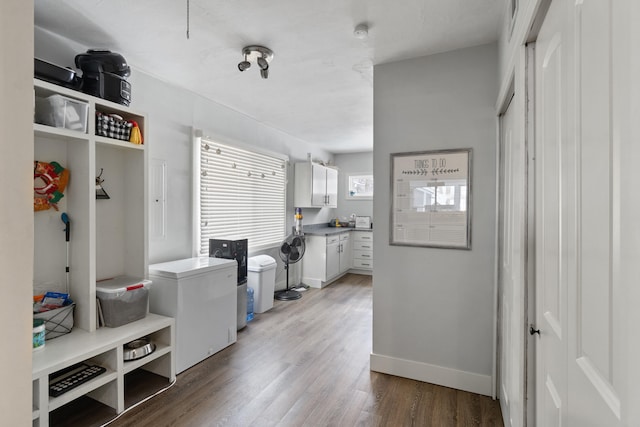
point(242, 195)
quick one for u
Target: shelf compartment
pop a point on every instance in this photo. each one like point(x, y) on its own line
point(121, 230)
point(102, 380)
point(105, 108)
point(132, 365)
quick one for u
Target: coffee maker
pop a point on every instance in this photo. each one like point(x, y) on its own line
point(104, 74)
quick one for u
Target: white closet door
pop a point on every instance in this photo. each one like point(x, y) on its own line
point(554, 168)
point(586, 275)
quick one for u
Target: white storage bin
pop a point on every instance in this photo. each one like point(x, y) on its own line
point(62, 112)
point(123, 300)
point(261, 277)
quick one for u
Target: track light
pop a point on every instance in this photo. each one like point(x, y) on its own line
point(244, 64)
point(262, 63)
point(261, 55)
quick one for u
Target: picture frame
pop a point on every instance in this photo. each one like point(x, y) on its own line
point(431, 199)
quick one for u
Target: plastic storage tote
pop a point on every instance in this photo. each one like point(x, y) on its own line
point(122, 300)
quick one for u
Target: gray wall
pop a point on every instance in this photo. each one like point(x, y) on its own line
point(352, 163)
point(433, 309)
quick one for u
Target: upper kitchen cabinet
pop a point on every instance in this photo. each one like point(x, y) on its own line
point(316, 186)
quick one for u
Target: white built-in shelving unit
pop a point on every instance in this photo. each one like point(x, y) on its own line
point(108, 238)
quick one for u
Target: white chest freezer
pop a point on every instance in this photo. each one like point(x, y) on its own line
point(200, 293)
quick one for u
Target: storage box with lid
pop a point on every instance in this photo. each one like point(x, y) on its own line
point(62, 112)
point(122, 300)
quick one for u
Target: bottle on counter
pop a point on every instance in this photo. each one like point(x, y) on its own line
point(298, 221)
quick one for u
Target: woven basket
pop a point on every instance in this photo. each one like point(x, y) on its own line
point(112, 126)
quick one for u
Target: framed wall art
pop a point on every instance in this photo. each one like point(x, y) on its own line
point(431, 199)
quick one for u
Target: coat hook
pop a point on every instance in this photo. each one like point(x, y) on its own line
point(100, 192)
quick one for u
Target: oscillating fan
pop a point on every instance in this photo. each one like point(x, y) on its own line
point(291, 251)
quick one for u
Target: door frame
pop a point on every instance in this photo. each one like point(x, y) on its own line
point(519, 76)
point(520, 99)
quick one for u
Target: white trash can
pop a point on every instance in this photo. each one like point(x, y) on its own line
point(261, 277)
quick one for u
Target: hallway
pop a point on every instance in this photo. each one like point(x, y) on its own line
point(303, 363)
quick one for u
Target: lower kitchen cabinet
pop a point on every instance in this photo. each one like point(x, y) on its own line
point(326, 258)
point(363, 250)
point(345, 252)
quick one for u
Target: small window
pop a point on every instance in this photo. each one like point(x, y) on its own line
point(359, 186)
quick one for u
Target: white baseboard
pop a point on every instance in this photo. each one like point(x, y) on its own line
point(461, 380)
point(359, 271)
point(314, 283)
point(318, 283)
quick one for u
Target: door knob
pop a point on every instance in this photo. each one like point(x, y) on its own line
point(533, 331)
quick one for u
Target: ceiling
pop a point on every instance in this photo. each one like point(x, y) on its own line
point(320, 85)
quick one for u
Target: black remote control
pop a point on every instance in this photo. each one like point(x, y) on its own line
point(69, 378)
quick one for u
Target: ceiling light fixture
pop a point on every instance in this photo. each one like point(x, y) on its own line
point(244, 64)
point(261, 55)
point(361, 31)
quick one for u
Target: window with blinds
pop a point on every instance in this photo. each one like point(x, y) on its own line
point(242, 195)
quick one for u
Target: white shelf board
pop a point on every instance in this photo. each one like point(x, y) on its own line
point(118, 143)
point(80, 345)
point(45, 87)
point(58, 133)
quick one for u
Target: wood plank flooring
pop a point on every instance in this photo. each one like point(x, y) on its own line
point(303, 363)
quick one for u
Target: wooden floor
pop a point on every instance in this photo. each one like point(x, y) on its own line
point(303, 363)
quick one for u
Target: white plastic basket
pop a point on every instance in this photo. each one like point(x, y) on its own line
point(62, 112)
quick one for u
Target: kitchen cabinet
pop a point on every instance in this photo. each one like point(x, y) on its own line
point(345, 252)
point(333, 258)
point(362, 250)
point(326, 258)
point(316, 186)
point(108, 238)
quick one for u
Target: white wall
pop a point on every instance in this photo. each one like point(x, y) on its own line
point(433, 308)
point(352, 163)
point(16, 217)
